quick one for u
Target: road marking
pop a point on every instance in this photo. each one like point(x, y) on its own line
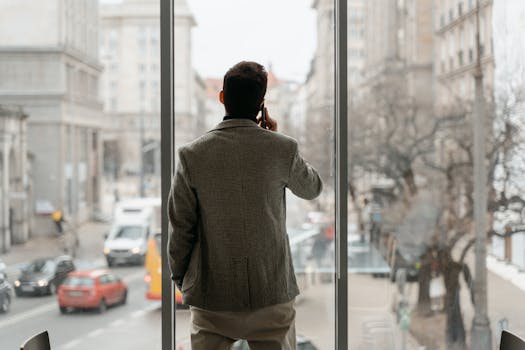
point(29, 314)
point(117, 323)
point(53, 304)
point(95, 333)
point(72, 344)
point(138, 313)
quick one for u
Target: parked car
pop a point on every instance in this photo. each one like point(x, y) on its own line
point(2, 267)
point(408, 257)
point(91, 289)
point(43, 276)
point(6, 291)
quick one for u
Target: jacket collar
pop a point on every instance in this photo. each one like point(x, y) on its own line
point(235, 123)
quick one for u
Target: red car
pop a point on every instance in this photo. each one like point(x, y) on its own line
point(91, 289)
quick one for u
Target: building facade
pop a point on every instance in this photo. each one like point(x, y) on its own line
point(456, 54)
point(53, 73)
point(130, 53)
point(15, 187)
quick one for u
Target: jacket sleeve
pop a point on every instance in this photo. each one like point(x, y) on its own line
point(183, 216)
point(303, 179)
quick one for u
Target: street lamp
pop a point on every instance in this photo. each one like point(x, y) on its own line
point(481, 337)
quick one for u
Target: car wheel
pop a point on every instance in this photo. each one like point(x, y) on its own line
point(124, 298)
point(102, 307)
point(63, 310)
point(6, 304)
point(52, 289)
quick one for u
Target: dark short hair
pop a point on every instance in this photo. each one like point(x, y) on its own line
point(244, 87)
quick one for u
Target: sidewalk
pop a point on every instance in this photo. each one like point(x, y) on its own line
point(91, 236)
point(506, 271)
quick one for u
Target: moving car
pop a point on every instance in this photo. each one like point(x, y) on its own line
point(134, 220)
point(153, 277)
point(43, 276)
point(91, 289)
point(6, 290)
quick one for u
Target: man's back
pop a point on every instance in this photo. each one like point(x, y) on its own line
point(229, 200)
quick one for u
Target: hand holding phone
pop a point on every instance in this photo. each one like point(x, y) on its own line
point(265, 121)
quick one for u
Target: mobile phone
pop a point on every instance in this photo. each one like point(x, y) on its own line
point(263, 117)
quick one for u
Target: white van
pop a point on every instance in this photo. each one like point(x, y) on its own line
point(134, 221)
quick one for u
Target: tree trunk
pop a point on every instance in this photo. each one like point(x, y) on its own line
point(425, 275)
point(455, 329)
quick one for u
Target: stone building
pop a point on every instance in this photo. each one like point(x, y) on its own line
point(14, 180)
point(53, 74)
point(455, 51)
point(130, 86)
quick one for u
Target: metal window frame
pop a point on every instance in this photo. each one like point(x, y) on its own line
point(167, 56)
point(167, 141)
point(341, 173)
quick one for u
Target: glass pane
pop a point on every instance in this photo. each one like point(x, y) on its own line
point(209, 40)
point(435, 162)
point(79, 172)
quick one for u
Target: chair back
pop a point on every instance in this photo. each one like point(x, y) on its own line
point(37, 342)
point(511, 341)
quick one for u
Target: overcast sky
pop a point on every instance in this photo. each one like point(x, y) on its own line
point(280, 32)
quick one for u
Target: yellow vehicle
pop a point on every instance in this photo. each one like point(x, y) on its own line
point(153, 277)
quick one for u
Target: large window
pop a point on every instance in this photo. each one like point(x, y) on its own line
point(417, 240)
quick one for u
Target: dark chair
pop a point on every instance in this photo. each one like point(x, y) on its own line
point(37, 342)
point(511, 341)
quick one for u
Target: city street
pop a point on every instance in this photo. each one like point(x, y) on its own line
point(136, 325)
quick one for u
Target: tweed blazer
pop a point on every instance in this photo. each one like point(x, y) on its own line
point(228, 247)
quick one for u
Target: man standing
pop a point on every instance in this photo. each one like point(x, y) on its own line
point(228, 250)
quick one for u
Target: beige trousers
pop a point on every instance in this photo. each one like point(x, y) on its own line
point(269, 328)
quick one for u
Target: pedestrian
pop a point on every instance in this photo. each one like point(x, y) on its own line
point(58, 219)
point(228, 249)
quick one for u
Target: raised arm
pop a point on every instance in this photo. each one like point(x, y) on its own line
point(304, 181)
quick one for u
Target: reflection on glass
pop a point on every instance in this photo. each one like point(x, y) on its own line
point(432, 77)
point(299, 97)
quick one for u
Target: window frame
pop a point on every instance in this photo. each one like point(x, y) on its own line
point(167, 74)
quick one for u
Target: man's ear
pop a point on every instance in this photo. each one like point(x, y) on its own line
point(221, 96)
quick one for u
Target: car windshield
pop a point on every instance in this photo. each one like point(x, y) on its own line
point(129, 232)
point(75, 281)
point(41, 266)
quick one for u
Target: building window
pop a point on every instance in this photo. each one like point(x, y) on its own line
point(113, 103)
point(442, 20)
point(142, 67)
point(451, 63)
point(142, 88)
point(470, 55)
point(460, 58)
point(460, 8)
point(451, 15)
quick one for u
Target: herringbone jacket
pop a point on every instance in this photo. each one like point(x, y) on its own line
point(228, 246)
